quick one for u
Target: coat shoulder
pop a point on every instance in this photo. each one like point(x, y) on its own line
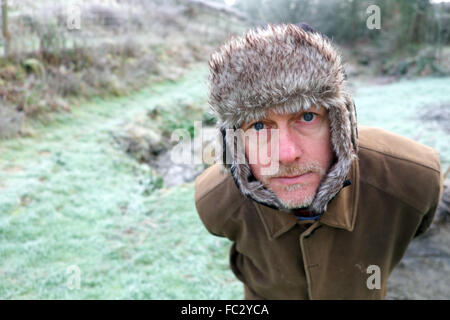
point(401, 167)
point(396, 146)
point(209, 180)
point(216, 198)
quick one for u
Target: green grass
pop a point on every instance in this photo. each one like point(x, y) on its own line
point(70, 196)
point(397, 107)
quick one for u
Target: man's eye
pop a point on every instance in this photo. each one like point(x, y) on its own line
point(258, 125)
point(308, 116)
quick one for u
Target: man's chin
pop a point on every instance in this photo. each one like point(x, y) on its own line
point(295, 202)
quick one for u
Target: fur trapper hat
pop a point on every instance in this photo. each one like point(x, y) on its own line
point(289, 68)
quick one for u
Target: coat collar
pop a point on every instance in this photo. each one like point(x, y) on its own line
point(341, 211)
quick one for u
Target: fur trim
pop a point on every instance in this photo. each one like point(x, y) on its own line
point(285, 69)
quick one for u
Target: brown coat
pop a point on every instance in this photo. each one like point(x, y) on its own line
point(396, 185)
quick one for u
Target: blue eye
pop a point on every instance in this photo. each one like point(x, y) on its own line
point(258, 125)
point(308, 116)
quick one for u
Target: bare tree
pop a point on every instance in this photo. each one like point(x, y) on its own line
point(418, 23)
point(6, 36)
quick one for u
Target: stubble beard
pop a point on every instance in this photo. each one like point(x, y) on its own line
point(295, 170)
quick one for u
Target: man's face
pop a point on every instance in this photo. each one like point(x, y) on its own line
point(304, 154)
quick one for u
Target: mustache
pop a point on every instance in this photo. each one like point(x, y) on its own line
point(297, 170)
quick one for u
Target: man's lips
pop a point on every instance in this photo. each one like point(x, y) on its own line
point(293, 179)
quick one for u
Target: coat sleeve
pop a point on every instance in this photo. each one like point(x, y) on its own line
point(436, 197)
point(217, 199)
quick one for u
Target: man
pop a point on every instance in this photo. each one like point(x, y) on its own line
point(333, 210)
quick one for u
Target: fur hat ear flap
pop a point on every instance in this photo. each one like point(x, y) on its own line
point(235, 161)
point(341, 140)
point(350, 104)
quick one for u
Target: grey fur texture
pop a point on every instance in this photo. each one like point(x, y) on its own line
point(286, 69)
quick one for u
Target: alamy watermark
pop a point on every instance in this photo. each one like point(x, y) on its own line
point(74, 277)
point(374, 280)
point(74, 17)
point(374, 19)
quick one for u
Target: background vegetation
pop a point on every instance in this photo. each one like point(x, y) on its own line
point(57, 53)
point(410, 41)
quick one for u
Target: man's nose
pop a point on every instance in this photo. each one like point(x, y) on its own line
point(288, 148)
